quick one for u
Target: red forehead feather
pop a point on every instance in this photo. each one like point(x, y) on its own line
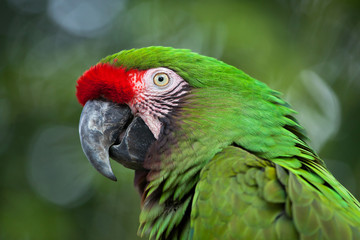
point(105, 80)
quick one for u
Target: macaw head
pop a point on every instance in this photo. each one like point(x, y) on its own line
point(165, 112)
point(125, 111)
point(131, 98)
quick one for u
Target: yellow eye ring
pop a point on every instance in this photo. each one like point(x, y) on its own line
point(161, 79)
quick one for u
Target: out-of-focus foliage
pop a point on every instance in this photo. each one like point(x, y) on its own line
point(309, 50)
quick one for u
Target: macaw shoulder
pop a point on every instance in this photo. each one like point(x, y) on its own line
point(241, 196)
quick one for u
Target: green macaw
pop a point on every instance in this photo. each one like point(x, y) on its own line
point(216, 153)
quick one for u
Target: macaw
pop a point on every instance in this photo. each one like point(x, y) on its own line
point(217, 154)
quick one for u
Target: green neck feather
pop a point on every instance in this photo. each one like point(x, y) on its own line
point(210, 120)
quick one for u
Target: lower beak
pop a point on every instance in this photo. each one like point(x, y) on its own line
point(109, 129)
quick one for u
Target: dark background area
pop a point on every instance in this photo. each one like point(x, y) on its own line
point(309, 50)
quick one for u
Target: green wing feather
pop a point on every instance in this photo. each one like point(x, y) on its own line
point(240, 196)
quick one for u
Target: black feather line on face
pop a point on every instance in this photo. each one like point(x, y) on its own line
point(170, 93)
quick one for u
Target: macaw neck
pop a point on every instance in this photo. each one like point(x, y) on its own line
point(207, 122)
point(210, 119)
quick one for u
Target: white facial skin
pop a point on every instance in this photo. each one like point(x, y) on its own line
point(157, 92)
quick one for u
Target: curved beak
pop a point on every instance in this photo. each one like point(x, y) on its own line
point(109, 129)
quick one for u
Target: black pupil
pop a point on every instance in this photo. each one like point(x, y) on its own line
point(160, 78)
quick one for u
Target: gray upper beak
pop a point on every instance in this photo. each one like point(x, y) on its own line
point(102, 124)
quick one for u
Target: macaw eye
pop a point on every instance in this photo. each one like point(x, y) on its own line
point(161, 79)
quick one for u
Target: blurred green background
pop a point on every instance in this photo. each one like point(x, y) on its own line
point(309, 50)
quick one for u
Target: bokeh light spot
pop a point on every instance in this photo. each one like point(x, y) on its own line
point(84, 17)
point(57, 169)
